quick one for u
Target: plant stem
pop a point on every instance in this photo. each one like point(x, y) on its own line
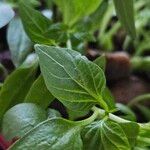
point(138, 99)
point(69, 45)
point(88, 120)
point(103, 113)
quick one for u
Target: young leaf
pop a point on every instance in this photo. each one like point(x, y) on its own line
point(35, 23)
point(39, 94)
point(20, 119)
point(38, 27)
point(128, 113)
point(53, 134)
point(19, 44)
point(125, 12)
point(17, 84)
point(70, 77)
point(109, 99)
point(74, 10)
point(6, 14)
point(104, 135)
point(101, 62)
point(93, 21)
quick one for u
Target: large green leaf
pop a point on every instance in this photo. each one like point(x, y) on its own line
point(6, 14)
point(17, 84)
point(39, 93)
point(74, 10)
point(54, 134)
point(38, 27)
point(106, 135)
point(70, 77)
point(20, 119)
point(125, 12)
point(19, 44)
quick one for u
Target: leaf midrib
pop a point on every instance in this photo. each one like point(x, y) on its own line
point(68, 73)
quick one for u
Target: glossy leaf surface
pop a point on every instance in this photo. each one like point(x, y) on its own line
point(20, 119)
point(70, 76)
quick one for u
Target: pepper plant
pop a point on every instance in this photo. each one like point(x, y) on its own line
point(68, 76)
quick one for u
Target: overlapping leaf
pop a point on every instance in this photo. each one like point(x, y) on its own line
point(54, 134)
point(39, 94)
point(20, 119)
point(19, 43)
point(17, 84)
point(70, 77)
point(104, 135)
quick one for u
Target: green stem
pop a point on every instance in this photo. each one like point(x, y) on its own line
point(103, 113)
point(69, 45)
point(88, 120)
point(138, 99)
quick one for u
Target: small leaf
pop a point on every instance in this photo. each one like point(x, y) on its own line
point(6, 14)
point(101, 62)
point(39, 93)
point(129, 114)
point(39, 28)
point(20, 119)
point(74, 10)
point(19, 44)
point(94, 20)
point(144, 110)
point(53, 134)
point(71, 77)
point(104, 135)
point(125, 12)
point(17, 84)
point(109, 99)
point(35, 24)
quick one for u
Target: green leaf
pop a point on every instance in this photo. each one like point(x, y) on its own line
point(73, 115)
point(129, 114)
point(14, 3)
point(20, 119)
point(52, 113)
point(105, 135)
point(19, 44)
point(144, 135)
point(17, 84)
point(74, 10)
point(125, 12)
point(39, 93)
point(1, 84)
point(6, 14)
point(71, 77)
point(109, 99)
point(35, 24)
point(144, 110)
point(131, 129)
point(53, 134)
point(3, 72)
point(93, 21)
point(101, 62)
